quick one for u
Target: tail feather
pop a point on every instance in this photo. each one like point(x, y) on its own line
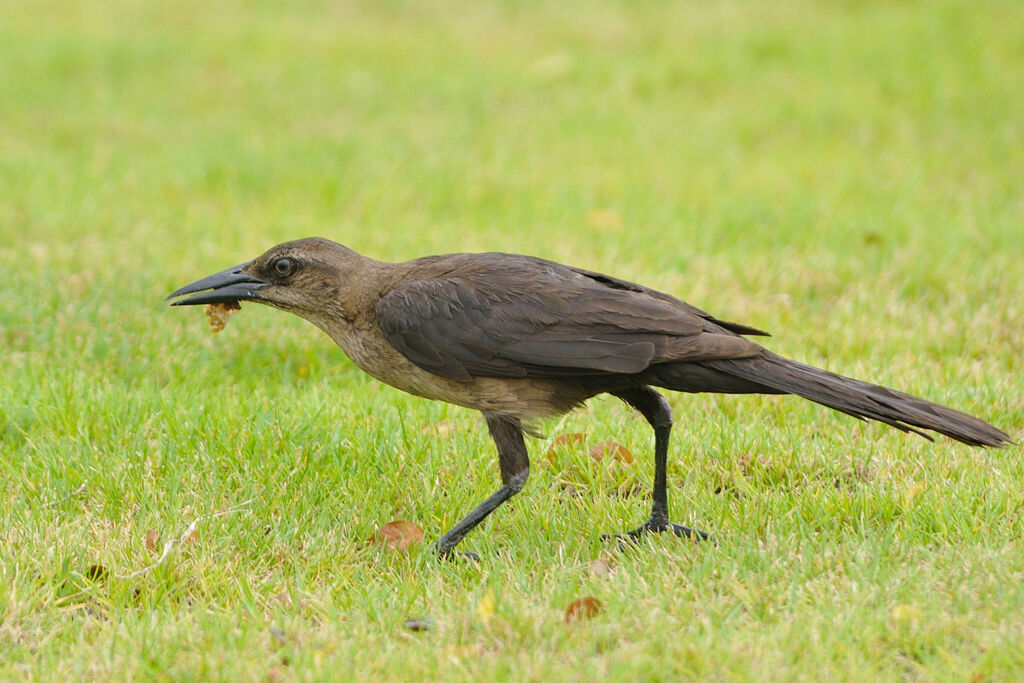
point(861, 399)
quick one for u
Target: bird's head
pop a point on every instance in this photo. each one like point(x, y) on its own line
point(305, 277)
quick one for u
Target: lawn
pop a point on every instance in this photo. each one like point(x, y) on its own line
point(181, 505)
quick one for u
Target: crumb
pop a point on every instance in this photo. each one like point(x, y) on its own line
point(219, 314)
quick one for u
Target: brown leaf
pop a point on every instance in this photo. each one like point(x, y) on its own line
point(96, 572)
point(192, 537)
point(152, 540)
point(610, 448)
point(602, 567)
point(562, 440)
point(567, 438)
point(397, 535)
point(419, 623)
point(584, 608)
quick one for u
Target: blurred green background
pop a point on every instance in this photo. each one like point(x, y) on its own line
point(846, 175)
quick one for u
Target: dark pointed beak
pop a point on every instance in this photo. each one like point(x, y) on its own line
point(227, 286)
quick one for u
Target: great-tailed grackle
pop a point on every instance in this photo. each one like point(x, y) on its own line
point(520, 338)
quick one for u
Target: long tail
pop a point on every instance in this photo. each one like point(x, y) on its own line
point(860, 399)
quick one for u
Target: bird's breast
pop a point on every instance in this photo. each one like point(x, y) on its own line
point(525, 398)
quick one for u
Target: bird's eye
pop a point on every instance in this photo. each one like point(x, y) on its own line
point(283, 267)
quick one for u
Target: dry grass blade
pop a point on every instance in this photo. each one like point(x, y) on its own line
point(189, 535)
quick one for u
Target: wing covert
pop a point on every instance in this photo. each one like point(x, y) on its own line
point(504, 321)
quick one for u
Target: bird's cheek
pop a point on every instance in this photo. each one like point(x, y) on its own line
point(285, 298)
point(273, 295)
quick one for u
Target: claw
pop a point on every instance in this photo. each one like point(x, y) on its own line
point(452, 555)
point(650, 527)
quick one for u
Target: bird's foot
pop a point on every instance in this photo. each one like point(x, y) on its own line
point(650, 526)
point(455, 556)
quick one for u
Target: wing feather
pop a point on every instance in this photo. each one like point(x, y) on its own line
point(500, 316)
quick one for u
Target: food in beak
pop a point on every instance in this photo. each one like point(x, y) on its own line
point(219, 314)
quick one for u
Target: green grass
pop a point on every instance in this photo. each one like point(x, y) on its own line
point(847, 175)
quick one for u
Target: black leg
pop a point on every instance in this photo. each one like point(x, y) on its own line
point(514, 461)
point(658, 413)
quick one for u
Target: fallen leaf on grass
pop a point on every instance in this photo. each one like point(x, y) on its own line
point(562, 440)
point(584, 608)
point(602, 567)
point(610, 448)
point(152, 540)
point(419, 623)
point(397, 535)
point(96, 572)
point(567, 438)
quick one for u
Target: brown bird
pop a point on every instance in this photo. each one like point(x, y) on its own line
point(520, 338)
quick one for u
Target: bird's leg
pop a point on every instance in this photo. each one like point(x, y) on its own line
point(658, 413)
point(514, 461)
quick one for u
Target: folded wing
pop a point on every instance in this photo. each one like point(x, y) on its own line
point(488, 317)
